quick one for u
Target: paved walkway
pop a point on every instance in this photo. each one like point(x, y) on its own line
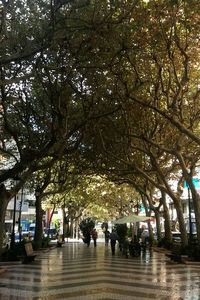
point(76, 272)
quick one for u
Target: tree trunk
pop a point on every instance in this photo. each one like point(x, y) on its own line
point(158, 226)
point(196, 204)
point(38, 226)
point(148, 213)
point(71, 229)
point(179, 210)
point(76, 233)
point(167, 225)
point(65, 224)
point(4, 199)
point(50, 219)
point(188, 176)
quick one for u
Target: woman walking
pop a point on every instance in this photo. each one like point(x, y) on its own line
point(94, 236)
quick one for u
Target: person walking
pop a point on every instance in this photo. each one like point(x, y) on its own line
point(113, 238)
point(87, 237)
point(94, 236)
point(107, 236)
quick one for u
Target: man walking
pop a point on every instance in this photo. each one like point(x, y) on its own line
point(94, 236)
point(113, 238)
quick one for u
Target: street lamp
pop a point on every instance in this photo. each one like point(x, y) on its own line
point(12, 242)
point(20, 214)
point(190, 218)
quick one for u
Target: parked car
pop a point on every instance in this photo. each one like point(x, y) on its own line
point(27, 235)
point(52, 233)
point(176, 236)
point(32, 228)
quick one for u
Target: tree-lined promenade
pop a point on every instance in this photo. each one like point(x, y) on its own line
point(97, 88)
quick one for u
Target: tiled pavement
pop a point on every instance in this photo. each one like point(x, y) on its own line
point(76, 272)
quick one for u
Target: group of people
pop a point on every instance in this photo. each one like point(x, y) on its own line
point(133, 247)
point(113, 237)
point(87, 237)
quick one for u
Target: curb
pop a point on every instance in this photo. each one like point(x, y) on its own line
point(9, 263)
point(191, 263)
point(161, 250)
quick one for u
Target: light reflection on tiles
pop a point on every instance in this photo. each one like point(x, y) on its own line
point(81, 273)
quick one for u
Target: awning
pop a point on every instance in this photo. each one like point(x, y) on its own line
point(132, 219)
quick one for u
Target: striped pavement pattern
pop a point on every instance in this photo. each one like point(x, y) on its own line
point(78, 272)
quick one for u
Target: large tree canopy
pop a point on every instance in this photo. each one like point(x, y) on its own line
point(116, 84)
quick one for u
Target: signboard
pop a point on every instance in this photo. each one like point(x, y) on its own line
point(196, 182)
point(25, 206)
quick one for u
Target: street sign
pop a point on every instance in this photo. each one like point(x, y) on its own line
point(196, 182)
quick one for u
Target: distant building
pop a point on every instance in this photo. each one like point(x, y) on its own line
point(25, 203)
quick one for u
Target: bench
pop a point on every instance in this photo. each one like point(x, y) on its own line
point(175, 255)
point(29, 253)
point(60, 242)
point(179, 258)
point(135, 249)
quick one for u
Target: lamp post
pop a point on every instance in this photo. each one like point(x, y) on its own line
point(12, 242)
point(20, 214)
point(16, 179)
point(67, 227)
point(69, 219)
point(190, 219)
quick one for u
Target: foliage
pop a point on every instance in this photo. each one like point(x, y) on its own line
point(129, 232)
point(15, 253)
point(165, 243)
point(195, 254)
point(45, 242)
point(116, 86)
point(87, 225)
point(111, 199)
point(193, 251)
point(57, 224)
point(121, 230)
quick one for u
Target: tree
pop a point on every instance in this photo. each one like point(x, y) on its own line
point(98, 80)
point(87, 225)
point(150, 78)
point(46, 102)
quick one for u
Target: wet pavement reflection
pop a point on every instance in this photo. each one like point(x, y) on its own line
point(78, 272)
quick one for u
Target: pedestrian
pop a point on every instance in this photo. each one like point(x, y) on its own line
point(113, 238)
point(107, 236)
point(87, 237)
point(94, 236)
point(145, 237)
